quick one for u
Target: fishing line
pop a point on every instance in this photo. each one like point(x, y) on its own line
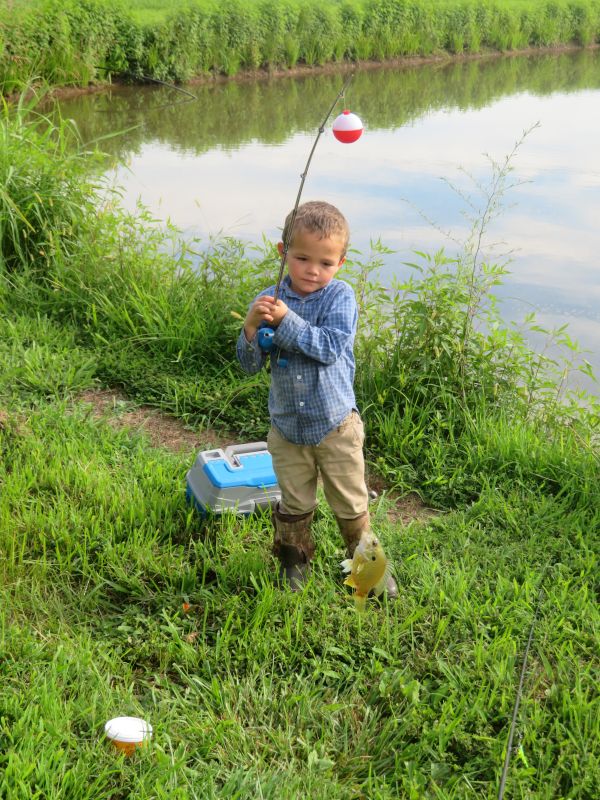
point(190, 95)
point(287, 239)
point(170, 85)
point(515, 713)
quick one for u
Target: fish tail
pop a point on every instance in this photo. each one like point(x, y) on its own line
point(360, 601)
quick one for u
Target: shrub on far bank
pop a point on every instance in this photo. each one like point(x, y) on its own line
point(71, 43)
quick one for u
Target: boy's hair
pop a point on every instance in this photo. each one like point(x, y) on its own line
point(321, 218)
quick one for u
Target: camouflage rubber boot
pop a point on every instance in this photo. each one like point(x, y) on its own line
point(352, 530)
point(294, 547)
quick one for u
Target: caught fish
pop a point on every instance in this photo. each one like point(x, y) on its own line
point(368, 569)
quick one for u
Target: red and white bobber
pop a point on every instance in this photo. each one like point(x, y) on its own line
point(347, 127)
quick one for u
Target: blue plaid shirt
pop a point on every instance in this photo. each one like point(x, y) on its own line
point(313, 394)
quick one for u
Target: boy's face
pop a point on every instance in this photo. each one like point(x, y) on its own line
point(312, 262)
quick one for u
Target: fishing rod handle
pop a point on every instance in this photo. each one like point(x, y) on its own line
point(265, 339)
point(266, 343)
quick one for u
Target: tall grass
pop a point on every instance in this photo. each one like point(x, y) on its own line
point(74, 43)
point(45, 188)
point(253, 691)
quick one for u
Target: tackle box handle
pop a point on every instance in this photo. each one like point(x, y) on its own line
point(235, 450)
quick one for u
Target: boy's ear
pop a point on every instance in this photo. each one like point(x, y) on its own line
point(342, 259)
point(280, 248)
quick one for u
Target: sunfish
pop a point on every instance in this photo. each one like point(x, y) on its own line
point(369, 569)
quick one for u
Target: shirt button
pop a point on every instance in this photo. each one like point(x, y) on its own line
point(301, 404)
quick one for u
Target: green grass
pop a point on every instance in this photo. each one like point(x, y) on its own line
point(255, 692)
point(70, 43)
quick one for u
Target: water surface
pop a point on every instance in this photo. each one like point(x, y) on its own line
point(229, 162)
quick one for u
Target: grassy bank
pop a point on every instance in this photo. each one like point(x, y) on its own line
point(253, 692)
point(71, 44)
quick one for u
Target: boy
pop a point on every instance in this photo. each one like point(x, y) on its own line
point(315, 425)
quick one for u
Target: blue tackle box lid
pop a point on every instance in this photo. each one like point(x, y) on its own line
point(256, 470)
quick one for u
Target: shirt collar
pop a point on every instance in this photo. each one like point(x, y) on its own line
point(286, 285)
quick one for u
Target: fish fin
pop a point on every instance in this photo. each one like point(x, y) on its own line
point(380, 586)
point(346, 565)
point(360, 568)
point(350, 582)
point(360, 601)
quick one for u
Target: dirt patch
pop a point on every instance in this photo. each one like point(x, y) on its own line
point(404, 508)
point(162, 429)
point(409, 508)
point(13, 423)
point(172, 434)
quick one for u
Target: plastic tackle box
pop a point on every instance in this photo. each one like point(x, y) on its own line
point(239, 478)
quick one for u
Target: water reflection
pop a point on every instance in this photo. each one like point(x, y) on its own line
point(230, 162)
point(228, 116)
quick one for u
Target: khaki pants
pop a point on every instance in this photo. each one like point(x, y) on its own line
point(338, 459)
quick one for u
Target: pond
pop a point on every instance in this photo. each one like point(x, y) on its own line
point(228, 162)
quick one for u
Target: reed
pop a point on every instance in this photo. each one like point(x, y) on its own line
point(72, 43)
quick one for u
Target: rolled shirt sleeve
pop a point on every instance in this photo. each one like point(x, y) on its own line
point(251, 357)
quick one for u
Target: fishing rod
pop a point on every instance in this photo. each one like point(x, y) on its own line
point(513, 724)
point(347, 128)
point(265, 332)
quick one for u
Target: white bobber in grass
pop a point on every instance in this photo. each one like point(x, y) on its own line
point(128, 733)
point(347, 127)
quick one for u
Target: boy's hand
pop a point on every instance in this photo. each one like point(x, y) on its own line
point(263, 310)
point(278, 311)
